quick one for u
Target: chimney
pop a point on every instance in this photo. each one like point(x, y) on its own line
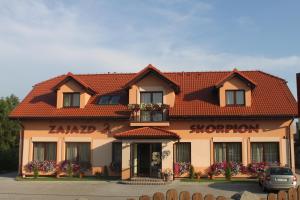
point(298, 92)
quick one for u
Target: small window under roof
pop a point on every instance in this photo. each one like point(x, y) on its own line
point(109, 100)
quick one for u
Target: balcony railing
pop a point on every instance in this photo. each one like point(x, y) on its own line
point(149, 113)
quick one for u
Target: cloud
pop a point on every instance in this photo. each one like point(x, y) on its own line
point(40, 39)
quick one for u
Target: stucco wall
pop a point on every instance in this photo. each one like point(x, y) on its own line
point(201, 143)
point(234, 84)
point(72, 86)
point(151, 83)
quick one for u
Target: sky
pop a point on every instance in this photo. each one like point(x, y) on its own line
point(41, 39)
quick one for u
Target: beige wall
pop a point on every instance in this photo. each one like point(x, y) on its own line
point(201, 143)
point(151, 83)
point(72, 86)
point(234, 84)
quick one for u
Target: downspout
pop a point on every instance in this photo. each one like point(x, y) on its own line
point(21, 144)
point(290, 143)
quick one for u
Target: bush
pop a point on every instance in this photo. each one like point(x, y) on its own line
point(192, 172)
point(105, 171)
point(35, 171)
point(98, 174)
point(228, 172)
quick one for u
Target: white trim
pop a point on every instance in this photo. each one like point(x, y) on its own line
point(229, 139)
point(78, 139)
point(44, 139)
point(264, 139)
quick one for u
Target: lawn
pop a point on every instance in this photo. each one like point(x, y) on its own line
point(51, 178)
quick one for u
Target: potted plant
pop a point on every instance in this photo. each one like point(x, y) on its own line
point(198, 175)
point(192, 172)
point(167, 174)
point(81, 174)
point(211, 175)
point(228, 172)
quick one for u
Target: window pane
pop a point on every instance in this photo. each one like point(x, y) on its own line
point(104, 100)
point(51, 151)
point(117, 154)
point(76, 99)
point(271, 152)
point(38, 151)
point(220, 152)
point(229, 97)
point(183, 152)
point(67, 100)
point(257, 152)
point(84, 152)
point(145, 116)
point(157, 116)
point(240, 97)
point(145, 97)
point(71, 153)
point(234, 152)
point(114, 100)
point(157, 97)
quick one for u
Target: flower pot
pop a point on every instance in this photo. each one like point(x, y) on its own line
point(81, 175)
point(211, 177)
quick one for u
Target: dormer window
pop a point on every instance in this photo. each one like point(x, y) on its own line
point(109, 100)
point(71, 99)
point(235, 97)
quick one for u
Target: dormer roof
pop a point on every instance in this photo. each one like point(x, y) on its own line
point(150, 69)
point(69, 76)
point(238, 74)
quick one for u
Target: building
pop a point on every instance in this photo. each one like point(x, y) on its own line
point(139, 124)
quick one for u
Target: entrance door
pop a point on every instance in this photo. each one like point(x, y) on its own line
point(148, 159)
point(143, 161)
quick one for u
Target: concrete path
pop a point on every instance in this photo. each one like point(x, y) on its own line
point(95, 190)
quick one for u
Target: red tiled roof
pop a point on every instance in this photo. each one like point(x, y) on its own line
point(146, 133)
point(234, 73)
point(198, 97)
point(70, 76)
point(151, 69)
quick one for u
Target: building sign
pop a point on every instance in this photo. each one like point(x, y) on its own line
point(80, 129)
point(227, 128)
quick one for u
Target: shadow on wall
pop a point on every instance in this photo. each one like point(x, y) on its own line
point(101, 157)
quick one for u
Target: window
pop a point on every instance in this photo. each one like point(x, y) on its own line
point(79, 152)
point(153, 98)
point(71, 99)
point(109, 100)
point(235, 97)
point(265, 152)
point(227, 151)
point(44, 151)
point(182, 152)
point(117, 155)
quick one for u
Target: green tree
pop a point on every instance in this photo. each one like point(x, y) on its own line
point(9, 134)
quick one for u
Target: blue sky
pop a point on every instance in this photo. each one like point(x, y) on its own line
point(41, 39)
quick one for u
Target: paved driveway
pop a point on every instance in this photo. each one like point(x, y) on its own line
point(95, 190)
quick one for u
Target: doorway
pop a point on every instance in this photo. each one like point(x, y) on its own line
point(146, 160)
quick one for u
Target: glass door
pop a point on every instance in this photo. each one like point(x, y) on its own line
point(155, 168)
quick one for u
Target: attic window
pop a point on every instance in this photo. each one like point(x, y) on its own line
point(109, 100)
point(235, 97)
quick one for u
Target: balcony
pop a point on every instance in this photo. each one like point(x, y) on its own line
point(149, 114)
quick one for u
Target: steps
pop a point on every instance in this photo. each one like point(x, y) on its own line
point(144, 181)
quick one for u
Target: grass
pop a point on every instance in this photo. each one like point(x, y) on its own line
point(51, 178)
point(220, 180)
